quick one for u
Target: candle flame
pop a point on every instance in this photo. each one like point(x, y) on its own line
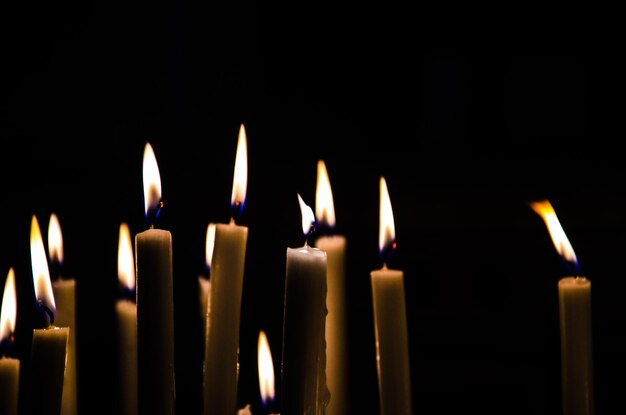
point(544, 209)
point(210, 243)
point(240, 178)
point(324, 206)
point(41, 274)
point(387, 231)
point(8, 312)
point(266, 369)
point(308, 218)
point(151, 181)
point(55, 240)
point(125, 260)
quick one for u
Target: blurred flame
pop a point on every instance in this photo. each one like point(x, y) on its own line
point(125, 260)
point(41, 274)
point(266, 369)
point(55, 240)
point(151, 180)
point(308, 218)
point(240, 178)
point(324, 206)
point(387, 231)
point(210, 243)
point(544, 209)
point(8, 312)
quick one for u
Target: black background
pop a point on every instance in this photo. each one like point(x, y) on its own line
point(468, 113)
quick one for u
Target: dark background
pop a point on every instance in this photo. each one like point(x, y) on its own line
point(468, 113)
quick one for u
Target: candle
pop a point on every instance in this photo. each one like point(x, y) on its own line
point(64, 290)
point(304, 388)
point(390, 322)
point(336, 327)
point(204, 283)
point(155, 302)
point(126, 312)
point(221, 355)
point(50, 343)
point(9, 366)
point(574, 321)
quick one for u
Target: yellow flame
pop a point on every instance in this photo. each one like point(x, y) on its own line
point(324, 206)
point(151, 179)
point(240, 178)
point(266, 369)
point(387, 231)
point(125, 260)
point(55, 240)
point(308, 218)
point(210, 243)
point(8, 312)
point(41, 274)
point(544, 209)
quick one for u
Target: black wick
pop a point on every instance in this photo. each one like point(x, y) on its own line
point(47, 310)
point(387, 251)
point(6, 345)
point(154, 213)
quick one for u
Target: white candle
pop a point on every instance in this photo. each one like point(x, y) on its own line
point(204, 283)
point(49, 344)
point(126, 312)
point(221, 356)
point(9, 366)
point(390, 322)
point(64, 290)
point(304, 389)
point(336, 321)
point(574, 321)
point(155, 303)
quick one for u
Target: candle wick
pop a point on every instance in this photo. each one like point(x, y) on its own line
point(232, 220)
point(48, 312)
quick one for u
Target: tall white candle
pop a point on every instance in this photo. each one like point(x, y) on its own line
point(304, 389)
point(126, 312)
point(574, 321)
point(49, 344)
point(336, 320)
point(155, 303)
point(390, 322)
point(9, 366)
point(221, 355)
point(64, 290)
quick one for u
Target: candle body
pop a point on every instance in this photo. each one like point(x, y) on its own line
point(47, 368)
point(126, 312)
point(155, 322)
point(65, 297)
point(576, 345)
point(392, 345)
point(336, 324)
point(304, 390)
point(9, 385)
point(221, 354)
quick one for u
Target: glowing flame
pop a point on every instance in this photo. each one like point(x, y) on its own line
point(387, 231)
point(151, 181)
point(240, 178)
point(210, 243)
point(324, 206)
point(544, 209)
point(125, 260)
point(308, 218)
point(266, 369)
point(41, 274)
point(55, 240)
point(8, 312)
